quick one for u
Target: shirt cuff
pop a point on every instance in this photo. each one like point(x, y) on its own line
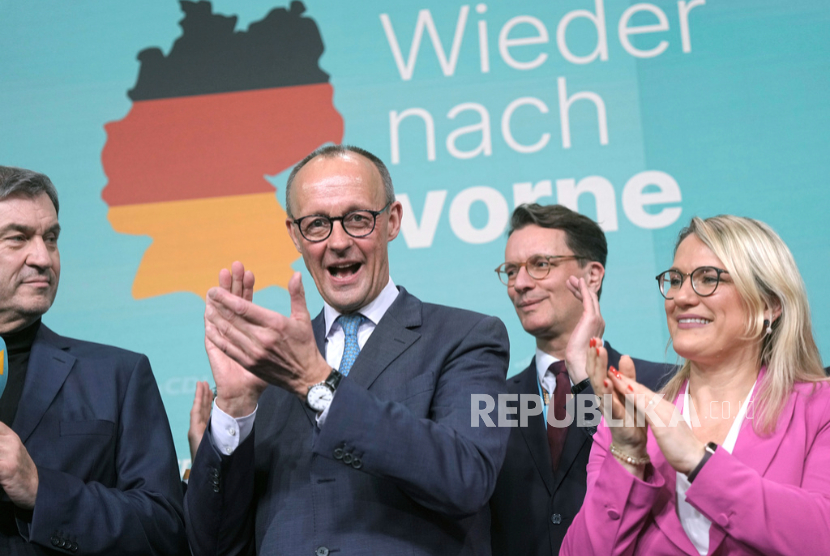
point(227, 432)
point(321, 417)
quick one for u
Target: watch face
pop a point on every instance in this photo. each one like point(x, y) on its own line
point(319, 397)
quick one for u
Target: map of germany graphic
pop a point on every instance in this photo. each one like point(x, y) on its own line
point(208, 122)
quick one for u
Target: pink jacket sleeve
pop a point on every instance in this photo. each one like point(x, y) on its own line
point(617, 504)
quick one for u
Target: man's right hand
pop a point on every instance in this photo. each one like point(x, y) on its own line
point(237, 390)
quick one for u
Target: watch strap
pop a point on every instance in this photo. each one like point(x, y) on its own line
point(334, 379)
point(710, 451)
point(580, 386)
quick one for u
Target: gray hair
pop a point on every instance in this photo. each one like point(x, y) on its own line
point(330, 151)
point(18, 181)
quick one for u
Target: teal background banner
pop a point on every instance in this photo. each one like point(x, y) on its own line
point(640, 115)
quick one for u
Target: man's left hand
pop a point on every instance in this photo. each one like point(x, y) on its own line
point(280, 350)
point(18, 473)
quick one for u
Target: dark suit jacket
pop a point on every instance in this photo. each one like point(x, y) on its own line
point(92, 420)
point(531, 507)
point(397, 467)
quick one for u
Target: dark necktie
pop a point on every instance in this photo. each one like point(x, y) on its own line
point(351, 348)
point(557, 435)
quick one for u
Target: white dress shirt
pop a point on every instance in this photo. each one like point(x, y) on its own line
point(228, 433)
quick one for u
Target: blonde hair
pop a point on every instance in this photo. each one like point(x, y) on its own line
point(765, 276)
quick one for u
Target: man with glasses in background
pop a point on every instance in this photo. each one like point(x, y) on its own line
point(350, 433)
point(554, 267)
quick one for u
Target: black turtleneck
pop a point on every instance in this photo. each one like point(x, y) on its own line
point(18, 348)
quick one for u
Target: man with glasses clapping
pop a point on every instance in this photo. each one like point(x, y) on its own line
point(349, 433)
point(554, 267)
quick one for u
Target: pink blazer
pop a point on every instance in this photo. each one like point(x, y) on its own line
point(770, 496)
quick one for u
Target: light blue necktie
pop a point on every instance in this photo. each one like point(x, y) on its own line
point(351, 349)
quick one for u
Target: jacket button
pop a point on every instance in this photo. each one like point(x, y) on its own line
point(55, 540)
point(322, 551)
point(723, 520)
point(356, 463)
point(613, 514)
point(347, 458)
point(73, 547)
point(556, 519)
point(338, 454)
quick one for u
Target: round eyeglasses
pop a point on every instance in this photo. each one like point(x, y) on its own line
point(537, 266)
point(357, 223)
point(705, 280)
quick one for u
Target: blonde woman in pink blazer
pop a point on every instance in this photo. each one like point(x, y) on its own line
point(733, 455)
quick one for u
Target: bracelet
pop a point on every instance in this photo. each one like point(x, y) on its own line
point(625, 458)
point(710, 451)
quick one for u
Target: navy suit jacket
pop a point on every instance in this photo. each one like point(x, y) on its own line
point(397, 467)
point(92, 420)
point(531, 507)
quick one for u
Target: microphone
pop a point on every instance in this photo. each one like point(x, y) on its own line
point(4, 366)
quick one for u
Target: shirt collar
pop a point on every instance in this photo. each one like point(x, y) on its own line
point(543, 362)
point(374, 311)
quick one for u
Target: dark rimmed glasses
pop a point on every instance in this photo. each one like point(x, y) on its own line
point(357, 223)
point(537, 266)
point(705, 280)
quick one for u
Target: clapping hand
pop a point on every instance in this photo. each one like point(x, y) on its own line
point(676, 440)
point(270, 347)
point(628, 432)
point(590, 325)
point(199, 416)
point(238, 390)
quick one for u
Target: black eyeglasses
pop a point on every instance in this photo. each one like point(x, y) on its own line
point(537, 266)
point(705, 280)
point(357, 223)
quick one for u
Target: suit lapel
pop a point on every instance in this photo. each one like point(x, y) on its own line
point(49, 365)
point(318, 326)
point(392, 336)
point(535, 433)
point(613, 356)
point(574, 441)
point(578, 436)
point(753, 450)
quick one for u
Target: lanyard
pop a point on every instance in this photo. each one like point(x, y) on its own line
point(543, 396)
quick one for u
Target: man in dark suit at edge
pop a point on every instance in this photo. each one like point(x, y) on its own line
point(87, 463)
point(554, 267)
point(377, 456)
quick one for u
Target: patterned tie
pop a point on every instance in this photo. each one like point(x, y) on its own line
point(350, 324)
point(557, 435)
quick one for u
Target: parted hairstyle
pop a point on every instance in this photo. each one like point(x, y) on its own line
point(765, 276)
point(18, 181)
point(583, 236)
point(331, 151)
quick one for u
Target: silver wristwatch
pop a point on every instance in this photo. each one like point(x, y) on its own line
point(320, 395)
